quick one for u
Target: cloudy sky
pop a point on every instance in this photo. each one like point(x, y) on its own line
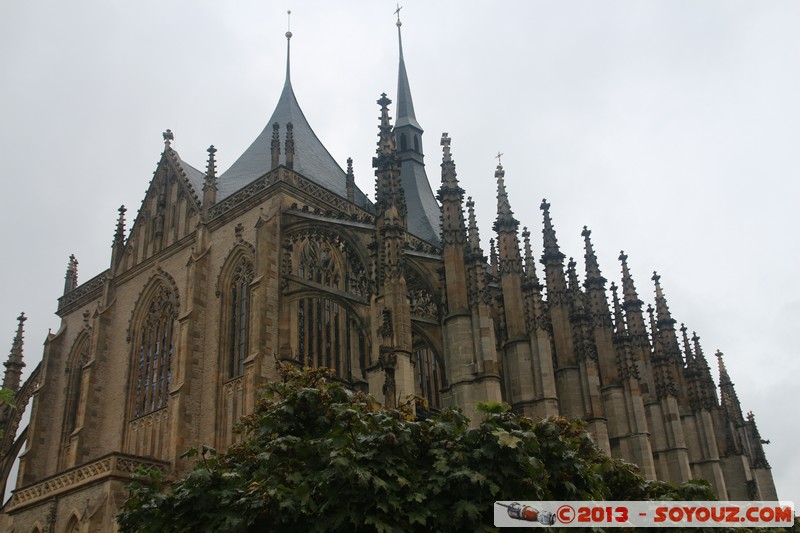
point(669, 128)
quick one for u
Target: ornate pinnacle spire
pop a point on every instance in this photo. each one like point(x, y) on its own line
point(450, 196)
point(275, 145)
point(119, 234)
point(505, 217)
point(629, 295)
point(386, 145)
point(530, 262)
point(449, 178)
point(15, 364)
point(211, 170)
point(351, 181)
point(687, 350)
point(493, 257)
point(723, 372)
point(388, 190)
point(288, 148)
point(664, 317)
point(474, 235)
point(619, 318)
point(727, 393)
point(71, 277)
point(653, 326)
point(593, 275)
point(572, 275)
point(551, 249)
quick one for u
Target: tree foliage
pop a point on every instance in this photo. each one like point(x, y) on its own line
point(319, 457)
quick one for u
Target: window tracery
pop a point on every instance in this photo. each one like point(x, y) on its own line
point(239, 316)
point(154, 353)
point(327, 332)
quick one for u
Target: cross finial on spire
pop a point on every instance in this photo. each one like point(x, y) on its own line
point(397, 12)
point(499, 161)
point(289, 24)
point(168, 138)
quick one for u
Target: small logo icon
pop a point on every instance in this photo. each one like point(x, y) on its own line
point(529, 514)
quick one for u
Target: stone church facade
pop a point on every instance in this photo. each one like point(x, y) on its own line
point(282, 256)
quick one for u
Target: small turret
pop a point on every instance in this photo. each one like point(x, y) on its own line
point(15, 364)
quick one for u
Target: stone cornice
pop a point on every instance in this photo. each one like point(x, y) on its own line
point(111, 466)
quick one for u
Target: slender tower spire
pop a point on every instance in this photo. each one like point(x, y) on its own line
point(15, 364)
point(423, 211)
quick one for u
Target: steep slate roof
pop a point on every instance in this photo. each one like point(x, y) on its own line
point(423, 210)
point(311, 158)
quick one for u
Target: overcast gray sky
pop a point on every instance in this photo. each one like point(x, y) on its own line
point(669, 128)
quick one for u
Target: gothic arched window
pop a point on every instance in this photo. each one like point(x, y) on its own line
point(153, 353)
point(403, 142)
point(79, 357)
point(239, 316)
point(328, 334)
point(429, 378)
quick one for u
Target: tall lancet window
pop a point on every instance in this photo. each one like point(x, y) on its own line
point(239, 312)
point(154, 353)
point(78, 359)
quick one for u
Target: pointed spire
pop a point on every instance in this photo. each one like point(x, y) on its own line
point(593, 275)
point(15, 364)
point(474, 235)
point(288, 46)
point(275, 145)
point(351, 181)
point(119, 234)
point(723, 372)
point(449, 176)
point(619, 318)
point(450, 196)
point(687, 349)
point(118, 245)
point(493, 257)
point(551, 249)
point(530, 262)
point(727, 393)
point(664, 318)
point(505, 217)
point(572, 275)
point(71, 277)
point(405, 105)
point(653, 326)
point(388, 190)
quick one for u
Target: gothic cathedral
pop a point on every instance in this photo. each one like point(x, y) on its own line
point(283, 256)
